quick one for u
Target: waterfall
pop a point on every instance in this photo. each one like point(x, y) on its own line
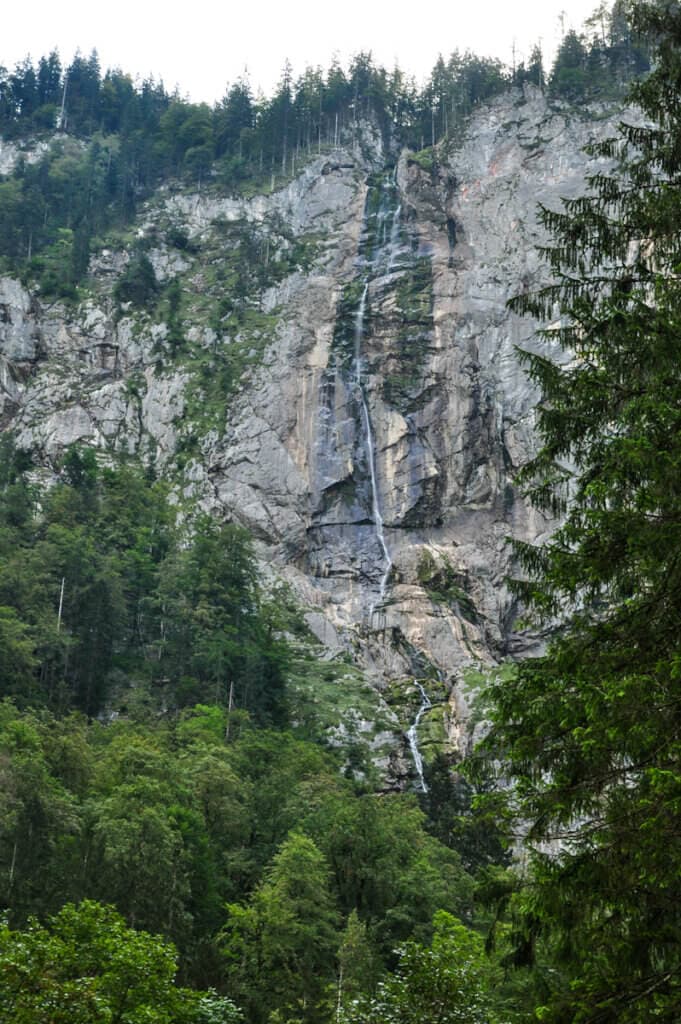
point(412, 736)
point(371, 457)
point(350, 492)
point(379, 249)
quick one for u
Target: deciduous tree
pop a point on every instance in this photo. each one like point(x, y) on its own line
point(444, 983)
point(87, 967)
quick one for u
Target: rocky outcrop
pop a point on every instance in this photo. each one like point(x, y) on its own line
point(426, 257)
point(20, 344)
point(30, 151)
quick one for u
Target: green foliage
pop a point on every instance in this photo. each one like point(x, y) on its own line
point(335, 697)
point(358, 963)
point(178, 238)
point(454, 89)
point(239, 262)
point(17, 658)
point(570, 75)
point(186, 138)
point(216, 636)
point(173, 319)
point(193, 798)
point(287, 933)
point(445, 585)
point(444, 983)
point(385, 865)
point(55, 266)
point(39, 818)
point(587, 732)
point(456, 815)
point(138, 285)
point(217, 372)
point(176, 819)
point(119, 139)
point(601, 65)
point(100, 587)
point(425, 159)
point(87, 967)
point(533, 73)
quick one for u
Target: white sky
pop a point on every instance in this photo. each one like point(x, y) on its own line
point(201, 45)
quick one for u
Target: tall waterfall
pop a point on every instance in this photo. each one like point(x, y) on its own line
point(379, 252)
point(412, 736)
point(371, 455)
point(353, 512)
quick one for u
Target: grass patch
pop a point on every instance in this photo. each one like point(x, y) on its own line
point(425, 159)
point(414, 308)
point(445, 585)
point(216, 372)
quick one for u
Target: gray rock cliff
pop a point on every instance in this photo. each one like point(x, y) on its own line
point(371, 441)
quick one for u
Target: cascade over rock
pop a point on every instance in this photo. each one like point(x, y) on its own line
point(373, 439)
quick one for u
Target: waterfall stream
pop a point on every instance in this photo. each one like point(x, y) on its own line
point(371, 456)
point(412, 736)
point(381, 249)
point(394, 238)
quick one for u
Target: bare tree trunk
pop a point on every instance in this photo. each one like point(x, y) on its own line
point(229, 708)
point(13, 865)
point(61, 603)
point(339, 1000)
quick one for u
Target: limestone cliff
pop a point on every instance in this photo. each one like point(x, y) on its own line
point(374, 414)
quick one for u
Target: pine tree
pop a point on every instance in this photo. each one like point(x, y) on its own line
point(569, 75)
point(280, 947)
point(591, 732)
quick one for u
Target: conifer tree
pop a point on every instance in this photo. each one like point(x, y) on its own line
point(591, 732)
point(280, 947)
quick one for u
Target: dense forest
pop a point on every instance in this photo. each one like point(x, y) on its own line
point(178, 843)
point(150, 760)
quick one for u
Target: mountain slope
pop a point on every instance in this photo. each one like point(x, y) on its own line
point(333, 366)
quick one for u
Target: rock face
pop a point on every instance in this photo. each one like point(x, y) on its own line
point(373, 438)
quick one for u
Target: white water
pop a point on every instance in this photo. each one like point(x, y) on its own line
point(412, 736)
point(369, 436)
point(377, 261)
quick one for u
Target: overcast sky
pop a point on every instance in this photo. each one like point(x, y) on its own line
point(201, 45)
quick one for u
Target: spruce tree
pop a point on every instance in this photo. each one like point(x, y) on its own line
point(590, 733)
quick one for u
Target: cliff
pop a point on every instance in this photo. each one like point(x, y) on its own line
point(339, 374)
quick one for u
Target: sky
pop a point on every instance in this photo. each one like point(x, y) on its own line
point(201, 45)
